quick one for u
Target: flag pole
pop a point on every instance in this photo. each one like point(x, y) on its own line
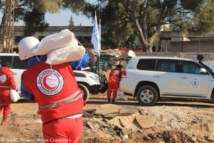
point(99, 32)
point(99, 27)
point(96, 41)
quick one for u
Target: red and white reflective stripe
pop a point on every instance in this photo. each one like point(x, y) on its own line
point(65, 100)
point(114, 77)
point(5, 86)
point(74, 116)
point(4, 104)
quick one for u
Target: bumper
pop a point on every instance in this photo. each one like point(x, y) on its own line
point(99, 88)
point(102, 87)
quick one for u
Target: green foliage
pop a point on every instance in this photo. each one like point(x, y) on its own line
point(190, 4)
point(76, 6)
point(126, 19)
point(51, 6)
point(34, 22)
point(199, 21)
point(117, 30)
point(203, 20)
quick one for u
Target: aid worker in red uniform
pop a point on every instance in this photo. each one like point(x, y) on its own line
point(113, 83)
point(55, 90)
point(6, 82)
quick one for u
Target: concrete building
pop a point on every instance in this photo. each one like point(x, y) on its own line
point(170, 41)
point(82, 33)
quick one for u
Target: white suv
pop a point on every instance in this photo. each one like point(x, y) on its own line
point(150, 78)
point(88, 82)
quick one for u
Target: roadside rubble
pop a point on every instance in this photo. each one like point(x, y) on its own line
point(113, 123)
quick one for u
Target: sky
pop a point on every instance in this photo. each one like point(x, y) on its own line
point(62, 19)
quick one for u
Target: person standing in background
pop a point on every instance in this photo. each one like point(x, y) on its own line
point(6, 82)
point(113, 83)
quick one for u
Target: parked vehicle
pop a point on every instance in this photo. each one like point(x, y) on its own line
point(88, 82)
point(151, 78)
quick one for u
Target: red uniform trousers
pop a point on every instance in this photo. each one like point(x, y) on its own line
point(65, 130)
point(5, 104)
point(113, 85)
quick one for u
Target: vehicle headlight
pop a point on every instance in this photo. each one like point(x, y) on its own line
point(95, 78)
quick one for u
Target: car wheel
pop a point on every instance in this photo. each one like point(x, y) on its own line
point(212, 99)
point(85, 90)
point(147, 95)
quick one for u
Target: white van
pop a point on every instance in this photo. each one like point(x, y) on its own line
point(88, 82)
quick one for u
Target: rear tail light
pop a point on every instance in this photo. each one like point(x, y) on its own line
point(123, 74)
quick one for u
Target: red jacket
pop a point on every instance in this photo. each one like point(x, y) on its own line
point(55, 90)
point(6, 81)
point(115, 73)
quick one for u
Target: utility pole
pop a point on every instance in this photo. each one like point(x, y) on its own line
point(7, 28)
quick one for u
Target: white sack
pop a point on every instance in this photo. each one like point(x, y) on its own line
point(121, 96)
point(14, 95)
point(56, 41)
point(66, 54)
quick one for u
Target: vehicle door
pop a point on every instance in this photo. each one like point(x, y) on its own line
point(192, 82)
point(18, 67)
point(167, 76)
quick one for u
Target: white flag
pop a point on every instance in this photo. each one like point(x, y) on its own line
point(95, 39)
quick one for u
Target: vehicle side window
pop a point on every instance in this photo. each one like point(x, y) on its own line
point(146, 64)
point(167, 65)
point(190, 67)
point(18, 64)
point(4, 59)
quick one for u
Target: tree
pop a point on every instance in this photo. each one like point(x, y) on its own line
point(198, 19)
point(145, 18)
point(116, 32)
point(34, 22)
point(148, 17)
point(71, 22)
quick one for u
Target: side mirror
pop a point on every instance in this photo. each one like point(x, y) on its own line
point(203, 70)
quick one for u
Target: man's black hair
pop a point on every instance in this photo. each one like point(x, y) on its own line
point(119, 66)
point(7, 64)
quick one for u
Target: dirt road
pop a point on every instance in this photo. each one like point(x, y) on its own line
point(175, 121)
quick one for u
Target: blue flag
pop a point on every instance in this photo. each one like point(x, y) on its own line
point(95, 39)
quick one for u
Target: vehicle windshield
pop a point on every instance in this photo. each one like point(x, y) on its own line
point(209, 67)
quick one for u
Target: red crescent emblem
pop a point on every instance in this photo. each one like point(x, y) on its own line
point(44, 82)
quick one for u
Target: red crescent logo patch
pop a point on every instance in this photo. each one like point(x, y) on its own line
point(50, 82)
point(3, 78)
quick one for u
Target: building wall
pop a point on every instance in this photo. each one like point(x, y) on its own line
point(83, 34)
point(192, 46)
point(175, 42)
